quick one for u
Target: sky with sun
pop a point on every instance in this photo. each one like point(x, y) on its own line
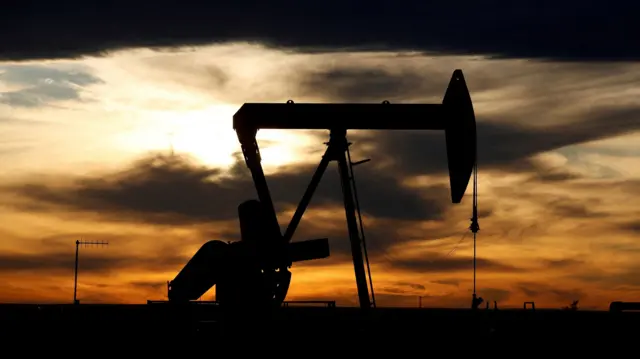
point(135, 146)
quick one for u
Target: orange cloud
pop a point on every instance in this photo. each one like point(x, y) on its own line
point(558, 192)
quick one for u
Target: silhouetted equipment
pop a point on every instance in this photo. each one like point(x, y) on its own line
point(256, 268)
point(197, 302)
point(531, 304)
point(327, 303)
point(357, 205)
point(237, 269)
point(617, 307)
point(573, 306)
point(475, 226)
point(75, 276)
point(288, 303)
point(476, 301)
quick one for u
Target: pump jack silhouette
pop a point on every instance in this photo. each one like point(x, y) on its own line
point(254, 272)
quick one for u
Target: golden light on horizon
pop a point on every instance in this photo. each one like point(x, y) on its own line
point(71, 167)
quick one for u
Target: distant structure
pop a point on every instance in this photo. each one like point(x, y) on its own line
point(617, 307)
point(254, 272)
point(476, 301)
point(573, 306)
point(75, 276)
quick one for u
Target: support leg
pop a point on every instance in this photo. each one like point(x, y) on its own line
point(251, 153)
point(273, 242)
point(306, 198)
point(338, 143)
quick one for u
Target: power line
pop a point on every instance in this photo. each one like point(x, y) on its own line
point(475, 226)
point(457, 245)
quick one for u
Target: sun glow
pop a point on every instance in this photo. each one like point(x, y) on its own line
point(208, 136)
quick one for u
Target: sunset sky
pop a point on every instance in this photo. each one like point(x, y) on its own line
point(89, 120)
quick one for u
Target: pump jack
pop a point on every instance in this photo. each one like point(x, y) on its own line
point(255, 271)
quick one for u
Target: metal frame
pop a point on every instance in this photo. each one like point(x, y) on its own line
point(455, 116)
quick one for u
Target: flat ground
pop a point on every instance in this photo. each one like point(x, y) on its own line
point(383, 327)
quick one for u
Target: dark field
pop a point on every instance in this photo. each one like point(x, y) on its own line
point(161, 324)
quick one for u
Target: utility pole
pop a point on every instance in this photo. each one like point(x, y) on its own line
point(75, 280)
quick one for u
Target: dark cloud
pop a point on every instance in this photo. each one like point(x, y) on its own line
point(626, 279)
point(630, 187)
point(365, 85)
point(393, 79)
point(452, 282)
point(414, 286)
point(392, 290)
point(536, 290)
point(152, 286)
point(493, 294)
point(559, 30)
point(568, 208)
point(528, 292)
point(507, 140)
point(380, 234)
point(585, 202)
point(561, 263)
point(392, 298)
point(500, 145)
point(41, 85)
point(631, 226)
point(339, 243)
point(450, 264)
point(63, 262)
point(552, 175)
point(172, 189)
